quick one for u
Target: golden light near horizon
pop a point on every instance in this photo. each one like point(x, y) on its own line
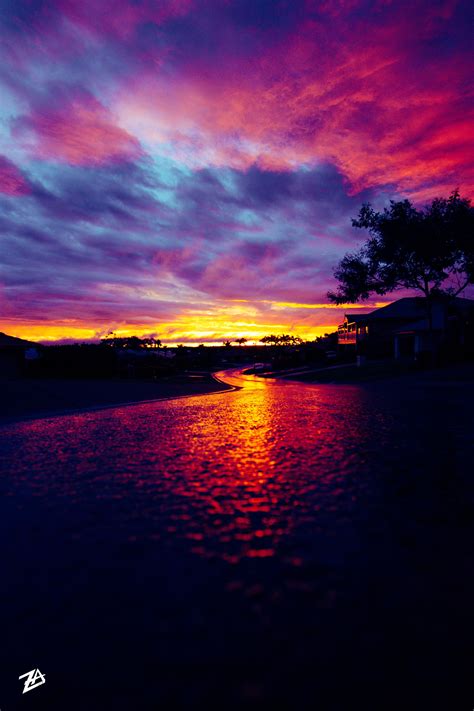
point(239, 318)
point(191, 337)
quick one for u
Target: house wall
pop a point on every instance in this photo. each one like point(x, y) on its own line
point(451, 335)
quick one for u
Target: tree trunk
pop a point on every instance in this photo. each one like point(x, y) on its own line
point(429, 312)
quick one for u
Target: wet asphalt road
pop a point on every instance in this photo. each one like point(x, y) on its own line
point(281, 545)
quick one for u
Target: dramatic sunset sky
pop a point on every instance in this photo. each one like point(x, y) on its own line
point(189, 168)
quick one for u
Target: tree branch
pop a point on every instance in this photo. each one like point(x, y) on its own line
point(466, 283)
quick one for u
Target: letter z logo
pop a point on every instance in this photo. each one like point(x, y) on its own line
point(34, 678)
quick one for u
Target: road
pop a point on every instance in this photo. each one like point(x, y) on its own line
point(279, 544)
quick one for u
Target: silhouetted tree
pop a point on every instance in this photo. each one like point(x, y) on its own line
point(130, 342)
point(151, 343)
point(283, 339)
point(429, 249)
point(271, 340)
point(241, 341)
point(227, 344)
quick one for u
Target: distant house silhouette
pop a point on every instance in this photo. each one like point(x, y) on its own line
point(13, 354)
point(403, 330)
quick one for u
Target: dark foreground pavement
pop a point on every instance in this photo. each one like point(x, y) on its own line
point(27, 398)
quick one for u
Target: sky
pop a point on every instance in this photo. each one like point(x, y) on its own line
point(188, 169)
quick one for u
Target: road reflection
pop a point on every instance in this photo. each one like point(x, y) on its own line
point(274, 523)
point(240, 470)
point(232, 474)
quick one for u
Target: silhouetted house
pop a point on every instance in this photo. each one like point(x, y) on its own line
point(14, 352)
point(406, 329)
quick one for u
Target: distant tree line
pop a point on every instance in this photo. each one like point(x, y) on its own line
point(132, 343)
point(282, 340)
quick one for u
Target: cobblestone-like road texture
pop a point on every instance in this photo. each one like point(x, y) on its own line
point(278, 546)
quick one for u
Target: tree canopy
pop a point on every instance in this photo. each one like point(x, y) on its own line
point(429, 249)
point(130, 342)
point(283, 340)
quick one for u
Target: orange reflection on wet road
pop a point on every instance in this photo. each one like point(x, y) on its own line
point(275, 525)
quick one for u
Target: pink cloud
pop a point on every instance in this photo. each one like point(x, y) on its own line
point(12, 181)
point(77, 130)
point(372, 100)
point(120, 19)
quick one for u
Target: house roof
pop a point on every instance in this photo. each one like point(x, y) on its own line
point(411, 307)
point(355, 318)
point(7, 341)
point(415, 307)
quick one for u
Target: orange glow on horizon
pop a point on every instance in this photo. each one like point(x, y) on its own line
point(236, 319)
point(80, 333)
